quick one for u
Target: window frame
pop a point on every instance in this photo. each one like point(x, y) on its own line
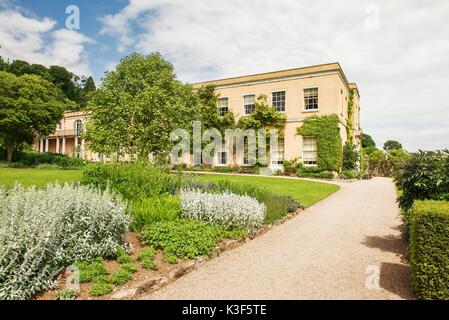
point(220, 158)
point(317, 99)
point(245, 105)
point(304, 151)
point(220, 108)
point(285, 99)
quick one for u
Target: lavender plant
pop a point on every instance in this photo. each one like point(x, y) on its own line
point(225, 208)
point(44, 230)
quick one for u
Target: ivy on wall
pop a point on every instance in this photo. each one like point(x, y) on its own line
point(349, 124)
point(326, 131)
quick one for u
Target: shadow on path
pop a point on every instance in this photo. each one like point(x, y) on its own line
point(394, 277)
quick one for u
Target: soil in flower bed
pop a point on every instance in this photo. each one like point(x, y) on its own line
point(163, 269)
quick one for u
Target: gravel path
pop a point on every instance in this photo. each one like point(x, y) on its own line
point(333, 250)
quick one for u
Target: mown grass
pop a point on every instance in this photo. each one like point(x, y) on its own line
point(306, 192)
point(38, 177)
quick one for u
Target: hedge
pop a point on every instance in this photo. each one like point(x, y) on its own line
point(429, 249)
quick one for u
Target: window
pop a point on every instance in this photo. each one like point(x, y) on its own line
point(223, 157)
point(197, 159)
point(310, 151)
point(79, 127)
point(277, 155)
point(249, 102)
point(279, 101)
point(311, 99)
point(223, 106)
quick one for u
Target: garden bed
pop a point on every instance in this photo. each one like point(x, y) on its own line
point(146, 281)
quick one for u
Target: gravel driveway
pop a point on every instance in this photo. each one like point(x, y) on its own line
point(348, 246)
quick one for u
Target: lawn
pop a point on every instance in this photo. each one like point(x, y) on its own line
point(306, 192)
point(38, 177)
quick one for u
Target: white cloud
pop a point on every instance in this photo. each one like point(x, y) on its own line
point(37, 41)
point(400, 65)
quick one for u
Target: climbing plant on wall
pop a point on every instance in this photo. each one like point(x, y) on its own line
point(326, 131)
point(349, 122)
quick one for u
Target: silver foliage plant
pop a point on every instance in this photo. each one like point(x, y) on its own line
point(45, 230)
point(226, 208)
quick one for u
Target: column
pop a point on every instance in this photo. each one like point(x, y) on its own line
point(82, 149)
point(63, 145)
point(57, 145)
point(41, 145)
point(47, 145)
point(75, 147)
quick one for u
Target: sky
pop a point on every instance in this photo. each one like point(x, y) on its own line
point(396, 51)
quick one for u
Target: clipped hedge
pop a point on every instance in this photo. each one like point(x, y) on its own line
point(33, 159)
point(429, 249)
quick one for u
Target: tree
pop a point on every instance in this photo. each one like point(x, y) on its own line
point(29, 107)
point(392, 145)
point(350, 157)
point(19, 67)
point(137, 107)
point(208, 113)
point(367, 141)
point(263, 116)
point(89, 85)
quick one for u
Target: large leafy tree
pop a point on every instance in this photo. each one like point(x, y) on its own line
point(29, 107)
point(392, 145)
point(72, 87)
point(137, 107)
point(367, 141)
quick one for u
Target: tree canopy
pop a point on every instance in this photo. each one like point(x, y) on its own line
point(392, 145)
point(138, 106)
point(72, 87)
point(30, 106)
point(367, 141)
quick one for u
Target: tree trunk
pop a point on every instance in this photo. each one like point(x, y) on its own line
point(9, 150)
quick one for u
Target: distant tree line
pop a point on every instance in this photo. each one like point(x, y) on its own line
point(72, 87)
point(33, 99)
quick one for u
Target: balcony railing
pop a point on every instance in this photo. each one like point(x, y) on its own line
point(63, 133)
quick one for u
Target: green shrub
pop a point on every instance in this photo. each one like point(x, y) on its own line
point(291, 166)
point(429, 249)
point(121, 276)
point(350, 157)
point(100, 289)
point(146, 258)
point(66, 294)
point(149, 210)
point(349, 174)
point(91, 270)
point(182, 238)
point(122, 256)
point(130, 267)
point(45, 230)
point(33, 159)
point(133, 181)
point(326, 175)
point(225, 169)
point(425, 175)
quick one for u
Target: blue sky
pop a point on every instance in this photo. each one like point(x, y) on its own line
point(396, 51)
point(102, 53)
